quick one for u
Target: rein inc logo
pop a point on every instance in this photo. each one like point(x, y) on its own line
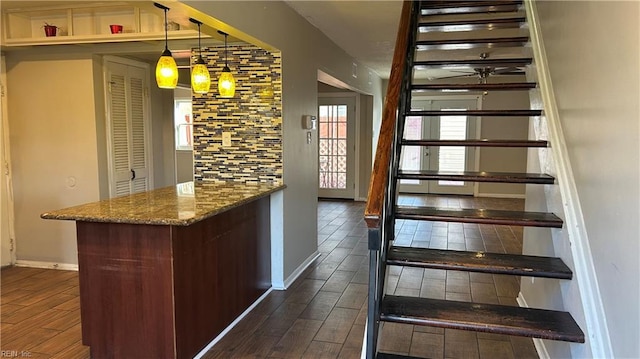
point(14, 354)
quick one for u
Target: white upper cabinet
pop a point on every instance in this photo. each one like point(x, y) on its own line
point(88, 23)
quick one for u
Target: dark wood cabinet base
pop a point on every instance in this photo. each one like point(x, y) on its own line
point(163, 291)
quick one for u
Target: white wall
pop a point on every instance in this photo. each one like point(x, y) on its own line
point(305, 50)
point(504, 128)
point(593, 52)
point(53, 149)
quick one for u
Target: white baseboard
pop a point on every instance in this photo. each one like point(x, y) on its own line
point(296, 273)
point(363, 351)
point(537, 343)
point(46, 265)
point(233, 324)
point(501, 195)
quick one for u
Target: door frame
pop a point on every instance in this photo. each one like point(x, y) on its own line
point(7, 224)
point(478, 119)
point(356, 137)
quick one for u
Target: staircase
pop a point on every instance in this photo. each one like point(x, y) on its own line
point(442, 26)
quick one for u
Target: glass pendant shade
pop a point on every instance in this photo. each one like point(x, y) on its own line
point(167, 71)
point(226, 83)
point(200, 78)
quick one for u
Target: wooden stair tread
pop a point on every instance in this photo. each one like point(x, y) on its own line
point(488, 23)
point(468, 7)
point(472, 176)
point(440, 4)
point(475, 86)
point(481, 216)
point(493, 113)
point(509, 62)
point(382, 355)
point(460, 18)
point(482, 262)
point(471, 43)
point(476, 143)
point(457, 64)
point(488, 318)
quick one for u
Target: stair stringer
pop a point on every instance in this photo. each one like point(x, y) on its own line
point(581, 296)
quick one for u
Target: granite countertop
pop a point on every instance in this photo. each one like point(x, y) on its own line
point(179, 205)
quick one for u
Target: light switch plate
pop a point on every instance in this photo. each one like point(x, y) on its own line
point(226, 139)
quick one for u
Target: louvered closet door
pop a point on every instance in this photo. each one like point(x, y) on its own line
point(126, 109)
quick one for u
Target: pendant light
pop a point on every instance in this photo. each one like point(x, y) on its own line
point(226, 82)
point(200, 78)
point(166, 69)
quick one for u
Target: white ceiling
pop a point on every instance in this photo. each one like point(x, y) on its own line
point(366, 30)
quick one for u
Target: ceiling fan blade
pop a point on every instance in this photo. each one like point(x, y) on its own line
point(507, 71)
point(456, 76)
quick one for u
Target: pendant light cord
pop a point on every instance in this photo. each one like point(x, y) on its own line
point(166, 35)
point(226, 64)
point(199, 46)
point(166, 24)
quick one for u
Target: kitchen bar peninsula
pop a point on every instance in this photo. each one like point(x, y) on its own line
point(163, 272)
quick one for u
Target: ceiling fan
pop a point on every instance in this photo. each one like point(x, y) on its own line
point(484, 72)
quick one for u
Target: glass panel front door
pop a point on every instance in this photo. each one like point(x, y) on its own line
point(335, 147)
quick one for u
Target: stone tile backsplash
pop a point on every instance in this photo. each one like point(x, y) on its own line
point(253, 118)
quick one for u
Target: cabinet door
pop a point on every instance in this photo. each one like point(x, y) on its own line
point(127, 121)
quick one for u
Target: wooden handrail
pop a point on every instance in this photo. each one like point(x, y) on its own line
point(380, 173)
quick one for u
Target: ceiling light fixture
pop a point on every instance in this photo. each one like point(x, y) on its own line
point(200, 78)
point(226, 82)
point(166, 69)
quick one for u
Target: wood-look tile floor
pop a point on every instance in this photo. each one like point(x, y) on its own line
point(322, 315)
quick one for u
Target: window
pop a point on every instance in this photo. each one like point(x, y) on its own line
point(452, 159)
point(183, 123)
point(410, 159)
point(333, 146)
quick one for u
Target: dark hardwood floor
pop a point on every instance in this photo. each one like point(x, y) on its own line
point(322, 315)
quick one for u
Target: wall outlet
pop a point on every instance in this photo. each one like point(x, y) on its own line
point(226, 139)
